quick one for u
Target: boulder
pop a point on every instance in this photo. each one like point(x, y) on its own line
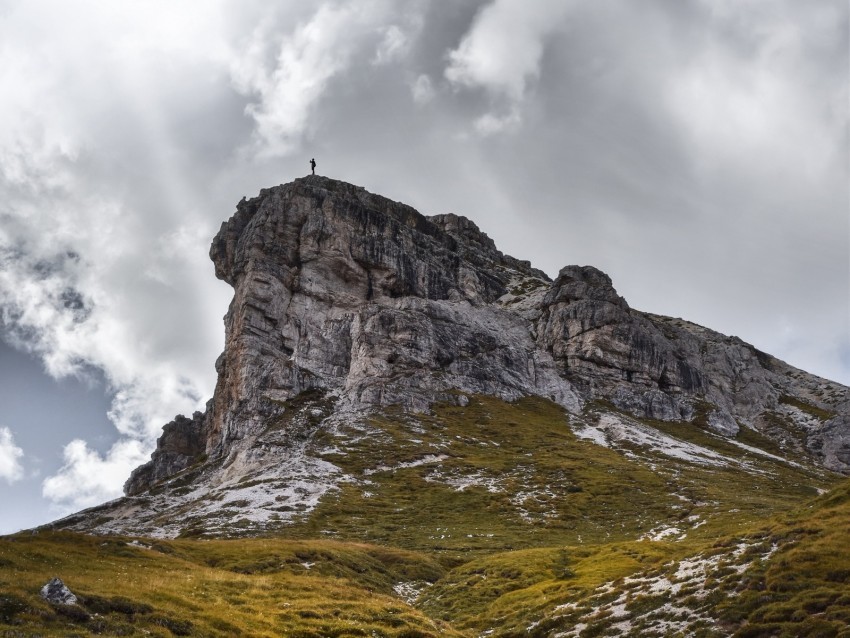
point(56, 593)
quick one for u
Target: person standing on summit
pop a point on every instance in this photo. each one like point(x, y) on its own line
point(313, 165)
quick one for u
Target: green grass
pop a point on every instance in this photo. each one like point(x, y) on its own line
point(573, 489)
point(211, 588)
point(804, 589)
point(808, 408)
point(501, 516)
point(519, 587)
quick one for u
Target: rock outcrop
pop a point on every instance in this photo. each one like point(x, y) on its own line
point(346, 291)
point(183, 442)
point(349, 293)
point(57, 593)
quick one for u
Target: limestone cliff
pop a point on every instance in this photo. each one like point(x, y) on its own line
point(365, 299)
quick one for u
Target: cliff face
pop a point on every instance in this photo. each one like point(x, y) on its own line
point(348, 293)
point(182, 443)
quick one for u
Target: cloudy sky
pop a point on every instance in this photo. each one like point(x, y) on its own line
point(695, 150)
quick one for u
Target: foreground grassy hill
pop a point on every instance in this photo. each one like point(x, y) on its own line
point(210, 588)
point(789, 576)
point(494, 519)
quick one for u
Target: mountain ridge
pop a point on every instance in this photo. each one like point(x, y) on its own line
point(403, 410)
point(348, 306)
point(373, 268)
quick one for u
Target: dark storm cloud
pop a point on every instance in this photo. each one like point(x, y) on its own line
point(696, 151)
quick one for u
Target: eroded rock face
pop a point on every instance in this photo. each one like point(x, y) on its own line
point(647, 365)
point(340, 289)
point(345, 291)
point(610, 352)
point(831, 443)
point(183, 442)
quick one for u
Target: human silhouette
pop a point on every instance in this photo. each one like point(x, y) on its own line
point(313, 166)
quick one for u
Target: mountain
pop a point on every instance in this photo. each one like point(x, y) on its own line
point(497, 452)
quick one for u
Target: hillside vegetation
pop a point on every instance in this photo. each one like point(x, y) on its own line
point(496, 519)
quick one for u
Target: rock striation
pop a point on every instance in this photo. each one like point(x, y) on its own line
point(340, 291)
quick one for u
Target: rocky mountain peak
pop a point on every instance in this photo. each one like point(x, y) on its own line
point(578, 283)
point(371, 304)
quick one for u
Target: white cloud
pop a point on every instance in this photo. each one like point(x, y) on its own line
point(392, 47)
point(87, 478)
point(10, 455)
point(502, 51)
point(751, 113)
point(102, 246)
point(82, 300)
point(288, 76)
point(491, 123)
point(422, 89)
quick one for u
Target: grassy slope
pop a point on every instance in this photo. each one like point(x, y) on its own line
point(804, 590)
point(788, 577)
point(535, 484)
point(523, 529)
point(212, 588)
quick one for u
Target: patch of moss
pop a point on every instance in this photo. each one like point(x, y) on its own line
point(808, 408)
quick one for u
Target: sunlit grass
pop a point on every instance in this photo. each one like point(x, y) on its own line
point(285, 588)
point(513, 528)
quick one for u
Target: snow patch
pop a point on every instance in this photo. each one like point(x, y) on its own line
point(660, 533)
point(223, 502)
point(760, 452)
point(460, 482)
point(428, 459)
point(593, 434)
point(613, 430)
point(410, 591)
point(685, 580)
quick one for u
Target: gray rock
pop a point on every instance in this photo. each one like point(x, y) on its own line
point(182, 443)
point(339, 289)
point(365, 299)
point(56, 593)
point(831, 442)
